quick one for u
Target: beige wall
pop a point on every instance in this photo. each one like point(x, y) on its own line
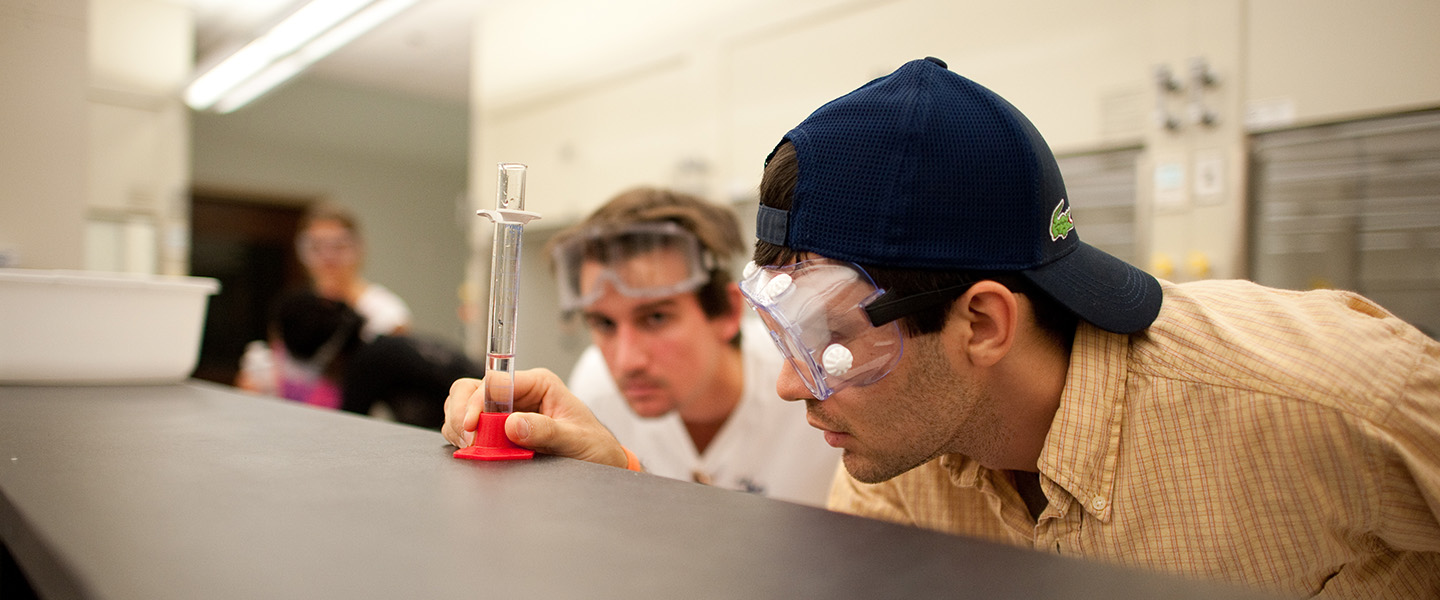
point(593, 117)
point(1337, 60)
point(44, 153)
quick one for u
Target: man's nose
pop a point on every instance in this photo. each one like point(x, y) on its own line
point(632, 350)
point(790, 386)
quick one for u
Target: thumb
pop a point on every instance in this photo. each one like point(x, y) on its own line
point(521, 429)
point(539, 432)
point(544, 434)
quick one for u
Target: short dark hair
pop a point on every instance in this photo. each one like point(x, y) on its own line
point(777, 189)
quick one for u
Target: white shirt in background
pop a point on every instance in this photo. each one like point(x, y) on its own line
point(384, 312)
point(765, 447)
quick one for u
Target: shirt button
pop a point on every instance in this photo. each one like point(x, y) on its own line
point(1099, 503)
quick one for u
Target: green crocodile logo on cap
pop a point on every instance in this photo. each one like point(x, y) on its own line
point(1060, 222)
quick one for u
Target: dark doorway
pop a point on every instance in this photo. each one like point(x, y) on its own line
point(248, 244)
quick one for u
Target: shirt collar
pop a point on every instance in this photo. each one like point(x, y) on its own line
point(1084, 441)
point(1083, 445)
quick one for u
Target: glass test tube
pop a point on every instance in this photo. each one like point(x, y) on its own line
point(504, 292)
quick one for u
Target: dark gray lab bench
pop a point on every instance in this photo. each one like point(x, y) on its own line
point(197, 491)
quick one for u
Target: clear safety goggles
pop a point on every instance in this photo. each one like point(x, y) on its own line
point(817, 312)
point(310, 248)
point(638, 260)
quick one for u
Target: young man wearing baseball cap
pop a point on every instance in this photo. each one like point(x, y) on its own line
point(987, 373)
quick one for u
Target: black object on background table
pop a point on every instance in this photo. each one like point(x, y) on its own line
point(198, 491)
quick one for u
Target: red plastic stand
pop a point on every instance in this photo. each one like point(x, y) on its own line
point(491, 443)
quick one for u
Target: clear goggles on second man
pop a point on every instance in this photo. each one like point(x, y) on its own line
point(816, 311)
point(830, 320)
point(638, 260)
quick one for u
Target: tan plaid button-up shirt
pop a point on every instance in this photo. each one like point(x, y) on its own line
point(1285, 440)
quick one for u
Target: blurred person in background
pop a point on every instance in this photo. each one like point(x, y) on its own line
point(333, 252)
point(330, 247)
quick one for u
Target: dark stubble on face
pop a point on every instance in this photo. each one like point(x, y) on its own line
point(934, 411)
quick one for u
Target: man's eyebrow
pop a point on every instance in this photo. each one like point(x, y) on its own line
point(589, 315)
point(662, 303)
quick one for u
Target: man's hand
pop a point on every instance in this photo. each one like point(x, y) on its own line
point(554, 421)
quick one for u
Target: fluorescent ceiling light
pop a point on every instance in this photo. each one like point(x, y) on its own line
point(307, 35)
point(357, 26)
point(256, 86)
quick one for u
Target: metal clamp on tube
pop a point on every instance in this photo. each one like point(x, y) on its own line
point(509, 217)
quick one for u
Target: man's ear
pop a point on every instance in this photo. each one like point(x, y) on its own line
point(729, 324)
point(990, 313)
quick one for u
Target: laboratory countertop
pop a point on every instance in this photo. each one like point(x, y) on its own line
point(198, 491)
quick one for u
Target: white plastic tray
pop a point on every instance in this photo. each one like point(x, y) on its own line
point(84, 327)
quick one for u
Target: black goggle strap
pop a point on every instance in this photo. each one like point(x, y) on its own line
point(890, 306)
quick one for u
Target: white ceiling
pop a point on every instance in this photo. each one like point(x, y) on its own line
point(424, 51)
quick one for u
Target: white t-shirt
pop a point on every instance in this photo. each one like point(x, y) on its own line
point(765, 446)
point(383, 311)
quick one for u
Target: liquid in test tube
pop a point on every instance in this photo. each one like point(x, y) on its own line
point(509, 217)
point(504, 291)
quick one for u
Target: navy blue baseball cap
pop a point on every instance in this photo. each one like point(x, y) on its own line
point(925, 169)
